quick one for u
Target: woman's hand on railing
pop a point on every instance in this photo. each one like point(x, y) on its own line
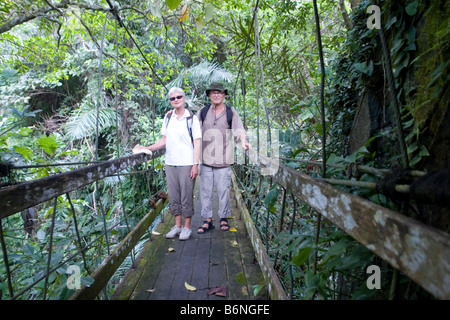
point(141, 149)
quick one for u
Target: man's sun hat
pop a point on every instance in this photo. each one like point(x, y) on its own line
point(216, 86)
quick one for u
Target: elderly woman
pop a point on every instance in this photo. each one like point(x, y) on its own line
point(181, 135)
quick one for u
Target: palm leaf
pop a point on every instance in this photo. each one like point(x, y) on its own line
point(202, 74)
point(83, 122)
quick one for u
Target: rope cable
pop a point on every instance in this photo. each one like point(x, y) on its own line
point(258, 59)
point(322, 111)
point(99, 86)
point(50, 246)
point(6, 260)
point(245, 48)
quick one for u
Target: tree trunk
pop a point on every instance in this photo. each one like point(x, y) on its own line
point(348, 22)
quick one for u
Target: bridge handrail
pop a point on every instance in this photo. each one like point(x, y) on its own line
point(419, 251)
point(18, 197)
point(15, 198)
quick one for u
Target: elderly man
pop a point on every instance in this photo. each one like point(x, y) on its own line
point(220, 123)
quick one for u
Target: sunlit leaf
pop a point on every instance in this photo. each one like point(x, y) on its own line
point(173, 4)
point(257, 288)
point(48, 144)
point(199, 23)
point(24, 151)
point(189, 287)
point(155, 11)
point(209, 11)
point(184, 15)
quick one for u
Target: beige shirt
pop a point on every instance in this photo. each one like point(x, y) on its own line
point(217, 142)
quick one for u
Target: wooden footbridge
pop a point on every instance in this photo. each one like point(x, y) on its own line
point(215, 265)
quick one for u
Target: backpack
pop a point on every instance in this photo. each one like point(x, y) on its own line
point(229, 114)
point(189, 121)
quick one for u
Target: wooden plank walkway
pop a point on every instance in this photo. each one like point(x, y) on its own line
point(216, 258)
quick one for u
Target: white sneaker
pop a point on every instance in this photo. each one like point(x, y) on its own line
point(173, 232)
point(185, 233)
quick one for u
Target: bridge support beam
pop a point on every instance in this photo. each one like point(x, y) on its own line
point(107, 269)
point(273, 284)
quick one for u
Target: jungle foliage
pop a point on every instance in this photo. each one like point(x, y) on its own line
point(79, 85)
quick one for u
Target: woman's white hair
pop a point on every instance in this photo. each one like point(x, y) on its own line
point(176, 89)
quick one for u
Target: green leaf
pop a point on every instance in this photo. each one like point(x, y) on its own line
point(209, 11)
point(358, 257)
point(302, 256)
point(424, 151)
point(25, 132)
point(87, 281)
point(173, 4)
point(257, 288)
point(413, 147)
point(24, 151)
point(48, 144)
point(411, 9)
point(28, 249)
point(155, 10)
point(271, 199)
point(339, 247)
point(364, 68)
point(416, 159)
point(361, 67)
point(312, 283)
point(199, 23)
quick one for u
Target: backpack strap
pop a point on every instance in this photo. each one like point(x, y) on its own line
point(204, 112)
point(228, 110)
point(229, 115)
point(168, 116)
point(189, 121)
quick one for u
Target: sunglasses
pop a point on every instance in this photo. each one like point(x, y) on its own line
point(177, 97)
